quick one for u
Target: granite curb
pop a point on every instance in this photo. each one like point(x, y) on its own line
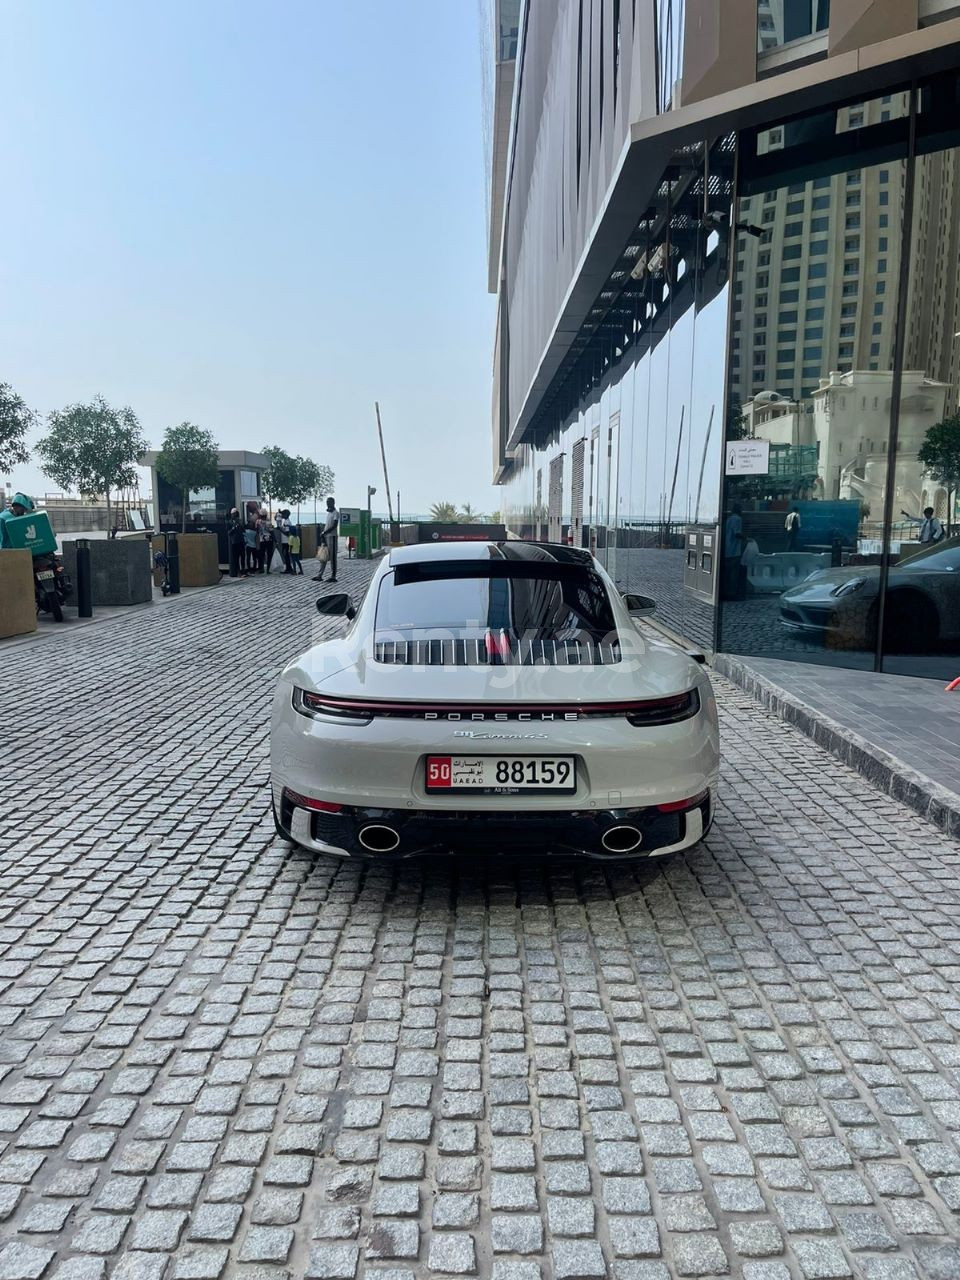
point(938, 804)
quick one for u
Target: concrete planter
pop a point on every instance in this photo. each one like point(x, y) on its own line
point(199, 559)
point(18, 605)
point(119, 569)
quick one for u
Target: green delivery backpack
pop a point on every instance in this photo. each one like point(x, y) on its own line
point(32, 533)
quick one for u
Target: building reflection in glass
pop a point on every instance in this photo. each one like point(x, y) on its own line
point(839, 398)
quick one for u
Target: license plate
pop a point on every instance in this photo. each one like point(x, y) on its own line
point(46, 573)
point(501, 775)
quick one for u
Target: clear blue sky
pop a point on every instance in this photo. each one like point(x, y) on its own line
point(259, 216)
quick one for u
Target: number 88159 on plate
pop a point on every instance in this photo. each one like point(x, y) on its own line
point(501, 775)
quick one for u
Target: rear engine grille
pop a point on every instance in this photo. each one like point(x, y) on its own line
point(497, 649)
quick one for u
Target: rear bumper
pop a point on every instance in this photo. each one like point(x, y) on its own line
point(532, 833)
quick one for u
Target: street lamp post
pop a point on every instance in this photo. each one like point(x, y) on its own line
point(371, 490)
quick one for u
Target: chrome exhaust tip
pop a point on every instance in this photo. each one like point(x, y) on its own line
point(378, 839)
point(621, 839)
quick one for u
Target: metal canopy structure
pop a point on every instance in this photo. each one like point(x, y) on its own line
point(656, 175)
point(677, 255)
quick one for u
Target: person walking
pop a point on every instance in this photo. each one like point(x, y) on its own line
point(328, 539)
point(931, 529)
point(792, 526)
point(235, 544)
point(294, 546)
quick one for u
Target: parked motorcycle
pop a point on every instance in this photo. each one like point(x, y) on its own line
point(52, 586)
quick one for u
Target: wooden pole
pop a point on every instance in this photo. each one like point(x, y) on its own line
point(394, 533)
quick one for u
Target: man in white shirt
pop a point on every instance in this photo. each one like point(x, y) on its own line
point(931, 530)
point(328, 538)
point(792, 526)
point(283, 538)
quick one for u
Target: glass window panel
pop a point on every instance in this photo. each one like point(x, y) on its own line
point(921, 632)
point(782, 21)
point(819, 506)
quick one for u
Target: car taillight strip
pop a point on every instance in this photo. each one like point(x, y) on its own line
point(640, 711)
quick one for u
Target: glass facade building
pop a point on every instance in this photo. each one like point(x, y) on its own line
point(843, 357)
point(783, 21)
point(741, 424)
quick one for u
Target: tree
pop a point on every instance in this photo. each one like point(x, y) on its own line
point(294, 479)
point(309, 478)
point(468, 515)
point(188, 461)
point(16, 419)
point(443, 512)
point(737, 427)
point(93, 448)
point(279, 480)
point(323, 484)
point(940, 455)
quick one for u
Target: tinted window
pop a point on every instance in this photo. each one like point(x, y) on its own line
point(524, 600)
point(944, 559)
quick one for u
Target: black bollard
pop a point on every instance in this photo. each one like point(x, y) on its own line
point(84, 584)
point(173, 564)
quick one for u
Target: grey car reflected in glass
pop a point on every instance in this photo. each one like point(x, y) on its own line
point(840, 606)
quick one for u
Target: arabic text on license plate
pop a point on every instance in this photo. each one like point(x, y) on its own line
point(46, 573)
point(501, 774)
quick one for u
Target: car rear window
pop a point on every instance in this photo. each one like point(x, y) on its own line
point(499, 610)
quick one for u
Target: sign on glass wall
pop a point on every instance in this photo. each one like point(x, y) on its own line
point(748, 457)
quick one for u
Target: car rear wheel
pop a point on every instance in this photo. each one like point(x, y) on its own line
point(911, 624)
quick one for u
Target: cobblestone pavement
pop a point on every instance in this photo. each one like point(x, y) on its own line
point(222, 1057)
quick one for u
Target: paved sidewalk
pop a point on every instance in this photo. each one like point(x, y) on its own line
point(901, 732)
point(221, 1057)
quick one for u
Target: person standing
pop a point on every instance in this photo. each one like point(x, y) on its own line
point(282, 536)
point(236, 544)
point(294, 547)
point(329, 538)
point(931, 529)
point(264, 542)
point(792, 526)
point(732, 553)
point(250, 545)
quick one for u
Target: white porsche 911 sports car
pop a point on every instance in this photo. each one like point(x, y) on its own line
point(497, 697)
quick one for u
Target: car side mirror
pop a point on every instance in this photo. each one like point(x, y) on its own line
point(337, 605)
point(639, 606)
